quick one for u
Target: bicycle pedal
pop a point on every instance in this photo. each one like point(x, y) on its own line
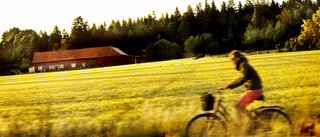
point(267, 129)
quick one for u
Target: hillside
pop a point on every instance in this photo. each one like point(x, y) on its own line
point(157, 98)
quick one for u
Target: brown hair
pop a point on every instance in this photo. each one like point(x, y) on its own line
point(237, 54)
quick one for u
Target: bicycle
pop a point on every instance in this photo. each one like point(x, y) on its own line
point(263, 121)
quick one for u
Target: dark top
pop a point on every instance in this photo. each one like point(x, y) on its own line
point(250, 77)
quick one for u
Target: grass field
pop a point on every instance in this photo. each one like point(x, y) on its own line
point(150, 99)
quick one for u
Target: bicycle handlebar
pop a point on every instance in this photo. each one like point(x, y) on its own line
point(220, 90)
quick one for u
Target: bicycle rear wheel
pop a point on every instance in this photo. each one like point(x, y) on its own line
point(206, 125)
point(271, 122)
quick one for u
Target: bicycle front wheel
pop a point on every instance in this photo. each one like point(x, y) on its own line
point(272, 122)
point(206, 125)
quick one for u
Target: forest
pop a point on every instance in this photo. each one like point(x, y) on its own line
point(292, 25)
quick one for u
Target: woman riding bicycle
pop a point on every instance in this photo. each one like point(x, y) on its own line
point(250, 78)
point(263, 121)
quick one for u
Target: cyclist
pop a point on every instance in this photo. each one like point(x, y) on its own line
point(251, 80)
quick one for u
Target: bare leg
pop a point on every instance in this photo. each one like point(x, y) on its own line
point(242, 113)
point(242, 120)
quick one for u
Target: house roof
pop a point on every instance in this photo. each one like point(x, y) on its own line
point(86, 53)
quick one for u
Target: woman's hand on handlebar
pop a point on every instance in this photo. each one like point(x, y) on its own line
point(223, 87)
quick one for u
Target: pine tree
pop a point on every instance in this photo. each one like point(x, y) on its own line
point(256, 19)
point(55, 39)
point(79, 34)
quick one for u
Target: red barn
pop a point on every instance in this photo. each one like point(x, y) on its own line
point(78, 58)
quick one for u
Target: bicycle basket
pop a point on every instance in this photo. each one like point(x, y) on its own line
point(207, 102)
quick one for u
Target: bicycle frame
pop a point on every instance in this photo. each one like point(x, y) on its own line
point(226, 123)
point(220, 110)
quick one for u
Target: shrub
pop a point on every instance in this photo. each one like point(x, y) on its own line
point(163, 50)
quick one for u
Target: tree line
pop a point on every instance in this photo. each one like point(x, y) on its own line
point(205, 29)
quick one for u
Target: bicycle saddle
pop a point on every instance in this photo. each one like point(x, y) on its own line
point(261, 98)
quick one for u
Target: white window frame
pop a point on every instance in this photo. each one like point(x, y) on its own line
point(40, 68)
point(61, 66)
point(73, 65)
point(51, 67)
point(83, 64)
point(31, 70)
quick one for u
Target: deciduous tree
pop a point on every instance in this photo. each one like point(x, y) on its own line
point(163, 50)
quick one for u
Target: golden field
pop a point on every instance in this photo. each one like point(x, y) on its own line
point(151, 99)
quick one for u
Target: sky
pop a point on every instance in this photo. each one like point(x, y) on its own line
point(46, 14)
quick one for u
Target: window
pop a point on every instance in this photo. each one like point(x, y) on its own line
point(40, 68)
point(73, 65)
point(31, 70)
point(51, 67)
point(61, 66)
point(83, 64)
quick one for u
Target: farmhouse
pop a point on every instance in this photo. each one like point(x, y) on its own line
point(78, 58)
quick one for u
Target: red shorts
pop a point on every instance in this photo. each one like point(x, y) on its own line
point(250, 96)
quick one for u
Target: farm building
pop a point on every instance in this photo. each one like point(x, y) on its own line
point(78, 58)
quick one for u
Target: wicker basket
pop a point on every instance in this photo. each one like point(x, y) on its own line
point(207, 102)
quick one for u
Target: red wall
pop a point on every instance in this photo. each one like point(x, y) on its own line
point(103, 62)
